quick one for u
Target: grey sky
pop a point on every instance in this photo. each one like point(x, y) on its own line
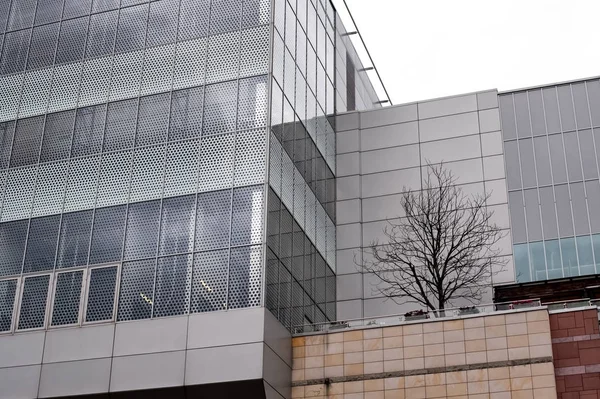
point(433, 48)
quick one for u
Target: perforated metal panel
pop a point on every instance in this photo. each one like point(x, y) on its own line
point(32, 313)
point(71, 43)
point(186, 113)
point(181, 174)
point(216, 162)
point(190, 63)
point(65, 87)
point(76, 8)
point(256, 12)
point(82, 183)
point(254, 57)
point(41, 244)
point(18, 197)
point(158, 69)
point(8, 289)
point(43, 45)
point(246, 223)
point(142, 230)
point(67, 298)
point(252, 103)
point(74, 239)
point(225, 16)
point(177, 225)
point(131, 34)
point(193, 19)
point(285, 296)
point(47, 11)
point(101, 36)
point(27, 141)
point(136, 295)
point(250, 157)
point(213, 219)
point(121, 121)
point(12, 246)
point(101, 294)
point(14, 53)
point(272, 284)
point(153, 119)
point(108, 234)
point(173, 286)
point(162, 22)
point(115, 174)
point(58, 132)
point(89, 131)
point(95, 81)
point(287, 181)
point(148, 171)
point(50, 189)
point(223, 57)
point(127, 75)
point(209, 286)
point(11, 94)
point(245, 277)
point(220, 108)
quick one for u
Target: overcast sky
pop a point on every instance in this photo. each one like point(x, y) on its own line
point(433, 48)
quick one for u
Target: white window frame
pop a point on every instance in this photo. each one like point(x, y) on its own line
point(87, 292)
point(15, 309)
point(81, 296)
point(48, 299)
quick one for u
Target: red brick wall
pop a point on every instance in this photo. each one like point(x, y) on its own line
point(576, 351)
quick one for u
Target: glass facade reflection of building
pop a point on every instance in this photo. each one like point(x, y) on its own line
point(552, 150)
point(169, 157)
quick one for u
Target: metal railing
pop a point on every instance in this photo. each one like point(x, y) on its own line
point(397, 319)
point(570, 304)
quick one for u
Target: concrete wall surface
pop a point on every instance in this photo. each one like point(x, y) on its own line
point(380, 153)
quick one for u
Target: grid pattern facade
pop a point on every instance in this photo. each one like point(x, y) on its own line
point(133, 161)
point(552, 152)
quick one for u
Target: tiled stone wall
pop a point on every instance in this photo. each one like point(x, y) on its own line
point(576, 348)
point(497, 356)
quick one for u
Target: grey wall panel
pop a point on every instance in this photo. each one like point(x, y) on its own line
point(493, 167)
point(384, 207)
point(388, 116)
point(278, 338)
point(451, 150)
point(449, 126)
point(159, 335)
point(158, 370)
point(21, 349)
point(349, 141)
point(348, 187)
point(271, 393)
point(491, 143)
point(468, 171)
point(497, 191)
point(347, 121)
point(348, 164)
point(349, 286)
point(348, 236)
point(390, 182)
point(276, 372)
point(488, 99)
point(70, 344)
point(489, 120)
point(226, 328)
point(389, 136)
point(346, 261)
point(20, 382)
point(227, 363)
point(75, 378)
point(447, 106)
point(347, 310)
point(389, 159)
point(348, 211)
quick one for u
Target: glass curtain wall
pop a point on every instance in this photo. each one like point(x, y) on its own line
point(552, 151)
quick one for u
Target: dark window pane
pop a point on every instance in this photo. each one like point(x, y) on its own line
point(136, 291)
point(580, 214)
point(153, 120)
point(573, 157)
point(593, 88)
point(120, 125)
point(132, 28)
point(66, 298)
point(285, 296)
point(48, 11)
point(89, 130)
point(74, 239)
point(225, 16)
point(548, 213)
point(569, 257)
point(26, 145)
point(101, 297)
point(177, 226)
point(517, 216)
point(588, 154)
point(246, 223)
point(557, 158)
point(107, 236)
point(245, 277)
point(8, 289)
point(21, 14)
point(12, 246)
point(33, 302)
point(565, 101)
point(71, 44)
point(14, 53)
point(582, 112)
point(193, 19)
point(532, 211)
point(538, 260)
point(527, 163)
point(7, 133)
point(551, 108)
point(563, 208)
point(101, 38)
point(162, 24)
point(553, 259)
point(213, 220)
point(76, 8)
point(43, 46)
point(57, 136)
point(104, 5)
point(142, 230)
point(209, 285)
point(186, 113)
point(4, 12)
point(173, 285)
point(596, 243)
point(585, 255)
point(41, 244)
point(536, 110)
point(220, 107)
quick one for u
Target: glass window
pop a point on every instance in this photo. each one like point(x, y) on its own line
point(177, 225)
point(527, 163)
point(107, 234)
point(89, 130)
point(172, 287)
point(120, 125)
point(507, 114)
point(67, 297)
point(588, 155)
point(209, 285)
point(538, 260)
point(27, 141)
point(548, 213)
point(34, 297)
point(245, 277)
point(41, 244)
point(593, 196)
point(582, 112)
point(14, 54)
point(132, 28)
point(569, 257)
point(532, 211)
point(57, 136)
point(290, 29)
point(585, 255)
point(47, 11)
point(12, 246)
point(136, 294)
point(71, 44)
point(220, 107)
point(142, 230)
point(193, 19)
point(153, 119)
point(8, 288)
point(563, 208)
point(536, 109)
point(511, 153)
point(101, 294)
point(551, 108)
point(213, 220)
point(596, 243)
point(186, 113)
point(557, 158)
point(565, 101)
point(74, 239)
point(162, 24)
point(553, 259)
point(542, 161)
point(43, 46)
point(573, 157)
point(101, 38)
